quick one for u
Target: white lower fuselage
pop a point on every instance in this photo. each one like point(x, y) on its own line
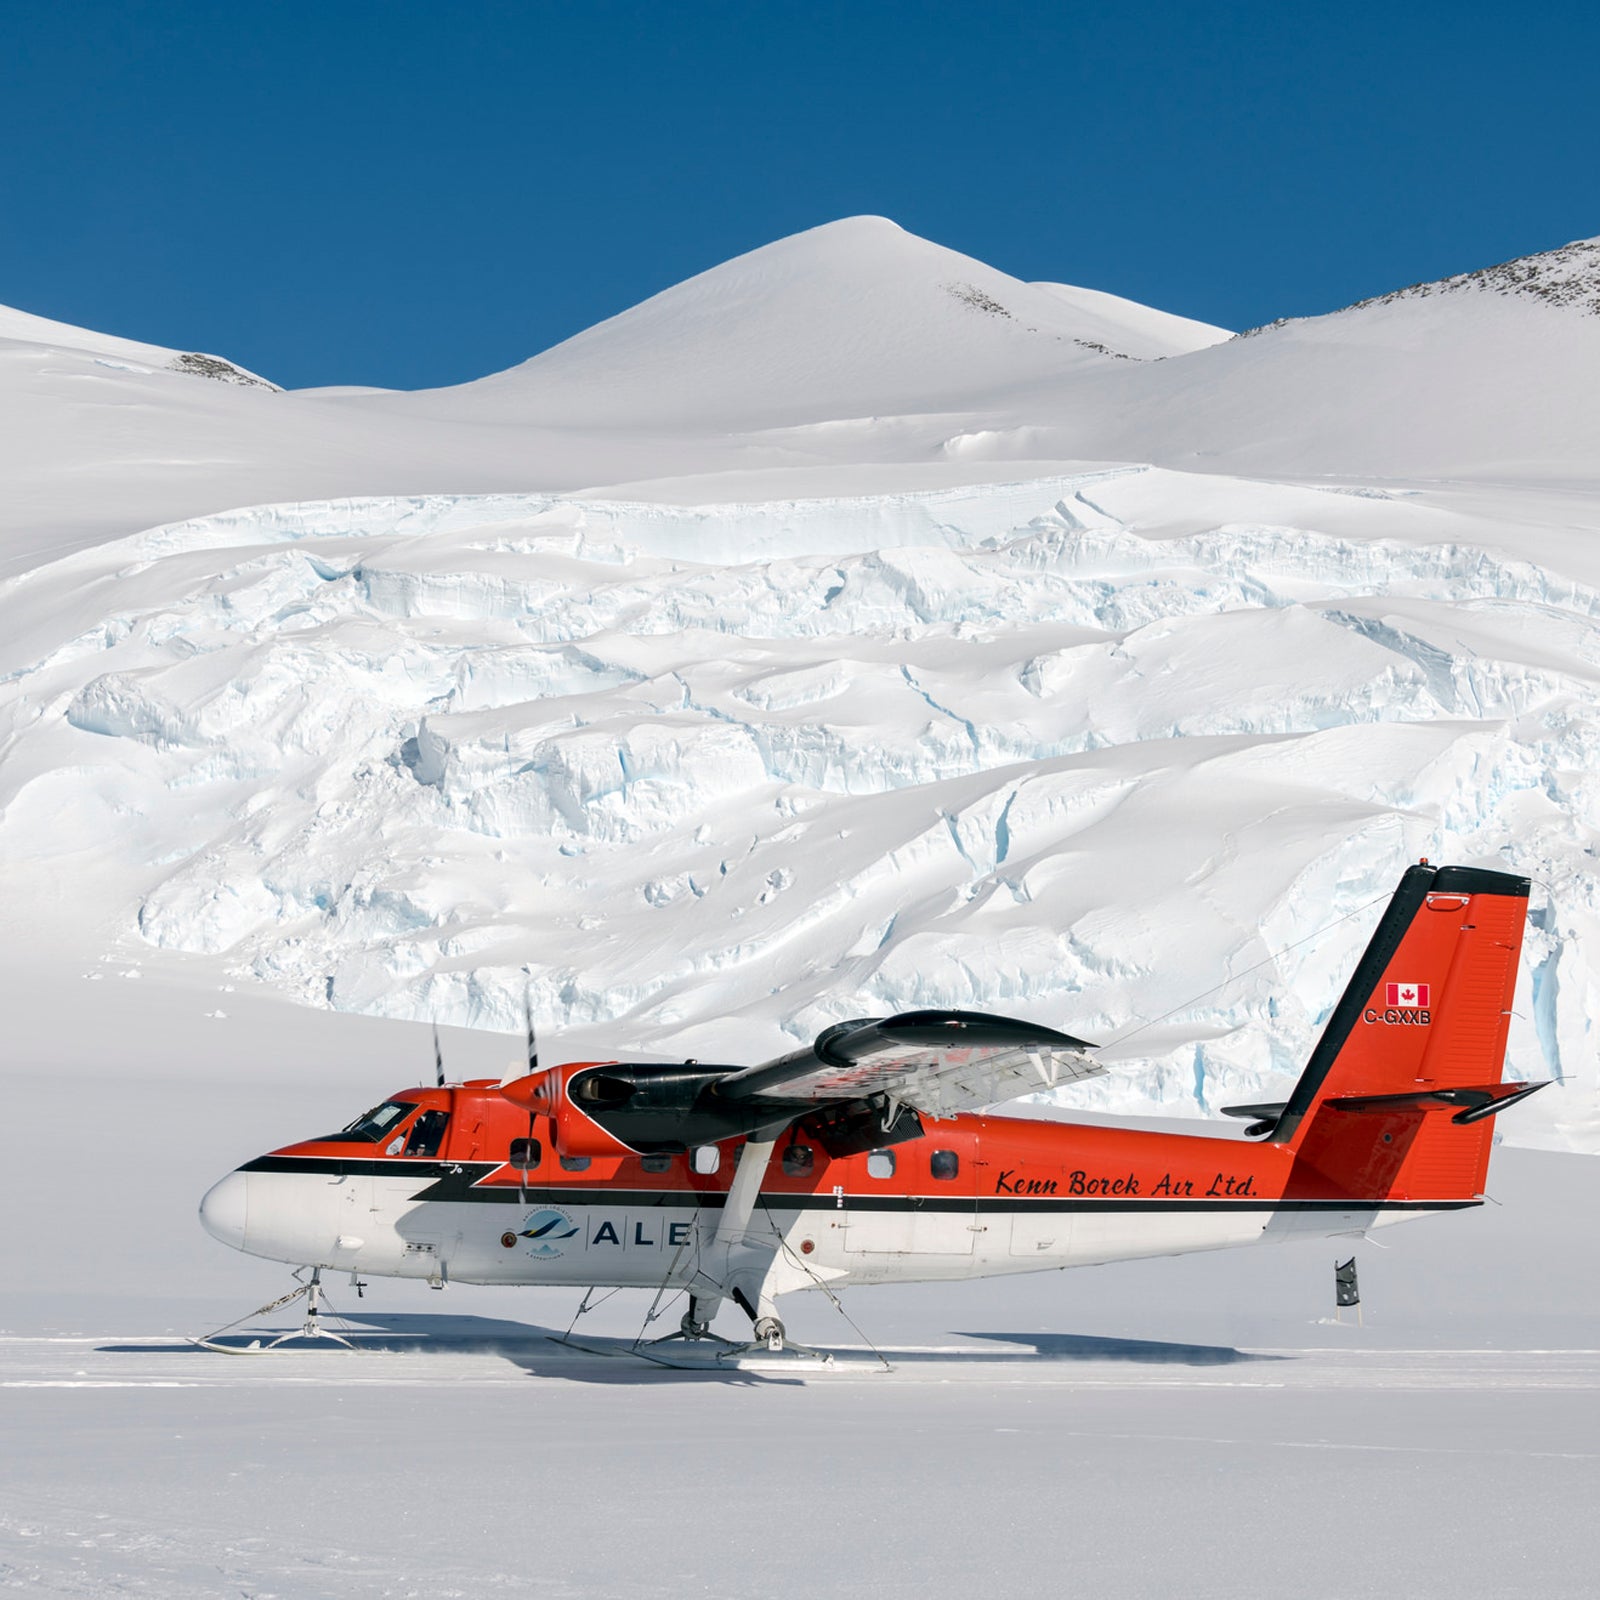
point(374, 1225)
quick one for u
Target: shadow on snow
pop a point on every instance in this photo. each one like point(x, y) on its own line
point(546, 1353)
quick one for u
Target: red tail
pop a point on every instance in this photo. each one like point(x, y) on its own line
point(1397, 1100)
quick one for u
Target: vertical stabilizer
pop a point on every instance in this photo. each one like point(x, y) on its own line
point(1397, 1098)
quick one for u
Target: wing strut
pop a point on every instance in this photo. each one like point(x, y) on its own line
point(743, 1192)
point(731, 1272)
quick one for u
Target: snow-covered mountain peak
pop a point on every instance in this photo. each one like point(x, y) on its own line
point(1569, 276)
point(853, 319)
point(1488, 375)
point(26, 328)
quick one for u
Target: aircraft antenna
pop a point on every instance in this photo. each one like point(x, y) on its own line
point(1232, 977)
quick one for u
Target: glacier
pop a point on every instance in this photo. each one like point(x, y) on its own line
point(1128, 750)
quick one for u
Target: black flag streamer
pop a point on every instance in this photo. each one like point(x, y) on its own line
point(1346, 1291)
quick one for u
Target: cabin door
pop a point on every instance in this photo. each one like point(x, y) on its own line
point(918, 1200)
point(943, 1179)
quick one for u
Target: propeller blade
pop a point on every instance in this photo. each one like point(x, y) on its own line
point(533, 1043)
point(438, 1056)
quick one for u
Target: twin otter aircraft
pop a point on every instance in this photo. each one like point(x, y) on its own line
point(856, 1160)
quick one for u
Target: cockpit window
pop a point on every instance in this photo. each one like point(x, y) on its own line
point(427, 1133)
point(371, 1126)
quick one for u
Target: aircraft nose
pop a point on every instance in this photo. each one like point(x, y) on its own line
point(222, 1211)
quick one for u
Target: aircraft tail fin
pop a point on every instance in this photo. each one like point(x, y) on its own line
point(1398, 1097)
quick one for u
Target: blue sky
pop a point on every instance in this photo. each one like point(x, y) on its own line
point(409, 193)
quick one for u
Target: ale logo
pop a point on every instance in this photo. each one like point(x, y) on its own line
point(547, 1232)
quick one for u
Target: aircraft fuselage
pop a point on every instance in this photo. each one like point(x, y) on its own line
point(975, 1196)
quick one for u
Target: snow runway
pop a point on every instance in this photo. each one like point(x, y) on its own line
point(479, 1353)
point(456, 1461)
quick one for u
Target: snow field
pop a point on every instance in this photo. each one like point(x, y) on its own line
point(637, 1487)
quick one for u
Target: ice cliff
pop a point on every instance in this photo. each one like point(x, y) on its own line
point(712, 777)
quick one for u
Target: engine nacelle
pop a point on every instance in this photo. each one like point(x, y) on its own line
point(570, 1095)
point(611, 1108)
point(535, 1092)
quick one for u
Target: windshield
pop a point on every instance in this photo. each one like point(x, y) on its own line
point(372, 1125)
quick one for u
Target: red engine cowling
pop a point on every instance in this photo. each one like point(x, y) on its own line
point(562, 1094)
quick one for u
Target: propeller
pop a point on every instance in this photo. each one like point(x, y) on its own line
point(533, 1066)
point(438, 1057)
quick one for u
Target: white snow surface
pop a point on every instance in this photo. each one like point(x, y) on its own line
point(941, 639)
point(24, 327)
point(853, 358)
point(713, 778)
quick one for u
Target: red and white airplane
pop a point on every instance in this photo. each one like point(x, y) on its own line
point(857, 1160)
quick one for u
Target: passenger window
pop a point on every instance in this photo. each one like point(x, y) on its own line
point(526, 1154)
point(427, 1133)
point(798, 1160)
point(574, 1163)
point(880, 1163)
point(706, 1159)
point(656, 1163)
point(944, 1163)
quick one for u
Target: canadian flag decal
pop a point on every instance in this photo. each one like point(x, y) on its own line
point(1407, 994)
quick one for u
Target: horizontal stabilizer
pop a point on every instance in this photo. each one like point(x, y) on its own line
point(1263, 1117)
point(1471, 1104)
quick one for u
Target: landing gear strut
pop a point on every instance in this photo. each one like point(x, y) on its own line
point(310, 1328)
point(767, 1331)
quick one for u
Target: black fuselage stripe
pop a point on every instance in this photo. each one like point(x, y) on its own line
point(459, 1181)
